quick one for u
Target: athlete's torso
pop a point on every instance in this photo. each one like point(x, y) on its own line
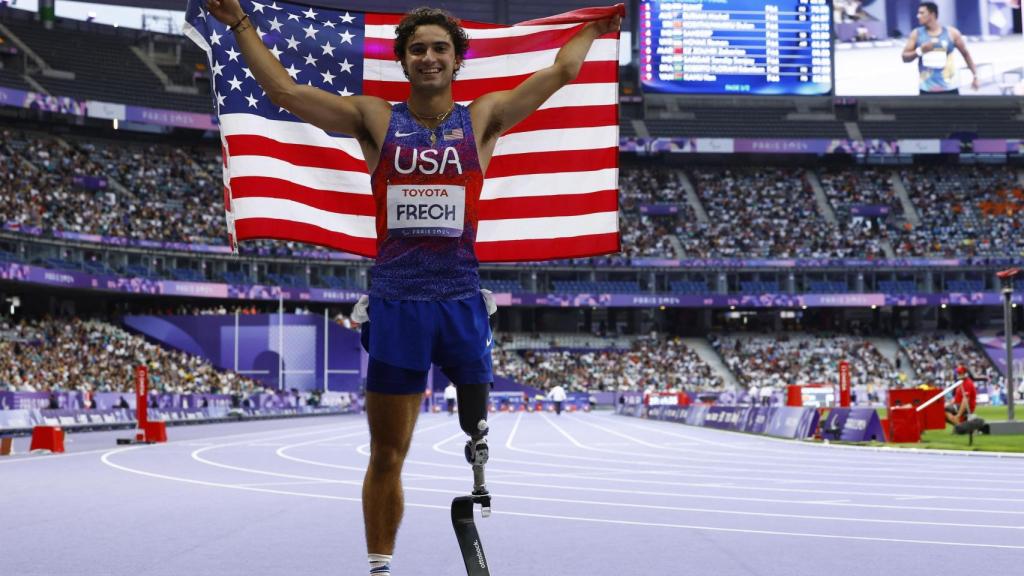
point(425, 188)
point(938, 66)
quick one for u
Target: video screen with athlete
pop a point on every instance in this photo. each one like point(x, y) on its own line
point(940, 47)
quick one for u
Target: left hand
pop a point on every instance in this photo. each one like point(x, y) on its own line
point(607, 25)
point(975, 84)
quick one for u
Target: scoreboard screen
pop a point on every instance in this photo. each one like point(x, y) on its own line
point(765, 47)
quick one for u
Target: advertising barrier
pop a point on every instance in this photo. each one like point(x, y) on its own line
point(780, 421)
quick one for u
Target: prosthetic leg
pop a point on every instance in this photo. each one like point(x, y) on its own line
point(473, 419)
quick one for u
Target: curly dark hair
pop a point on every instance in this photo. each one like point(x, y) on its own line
point(436, 16)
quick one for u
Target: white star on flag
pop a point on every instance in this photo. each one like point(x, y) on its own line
point(257, 7)
point(344, 91)
point(293, 17)
point(328, 49)
point(329, 24)
point(220, 100)
point(247, 72)
point(346, 67)
point(310, 61)
point(232, 55)
point(252, 101)
point(328, 77)
point(275, 51)
point(275, 25)
point(292, 71)
point(215, 38)
point(293, 44)
point(346, 37)
point(310, 31)
point(310, 13)
point(348, 18)
point(236, 84)
point(217, 67)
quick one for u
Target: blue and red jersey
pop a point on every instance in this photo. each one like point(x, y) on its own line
point(426, 188)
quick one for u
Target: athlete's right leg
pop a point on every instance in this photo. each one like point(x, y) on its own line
point(392, 418)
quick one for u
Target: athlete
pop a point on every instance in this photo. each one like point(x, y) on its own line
point(427, 157)
point(932, 44)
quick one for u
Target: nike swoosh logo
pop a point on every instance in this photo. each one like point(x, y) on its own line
point(489, 340)
point(403, 134)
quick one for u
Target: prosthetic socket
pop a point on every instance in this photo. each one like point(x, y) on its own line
point(473, 420)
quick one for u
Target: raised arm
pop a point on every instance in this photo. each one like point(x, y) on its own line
point(330, 112)
point(498, 112)
point(910, 49)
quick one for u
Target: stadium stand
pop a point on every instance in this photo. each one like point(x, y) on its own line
point(648, 365)
point(71, 354)
point(86, 50)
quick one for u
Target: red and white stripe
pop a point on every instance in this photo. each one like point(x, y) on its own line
point(551, 190)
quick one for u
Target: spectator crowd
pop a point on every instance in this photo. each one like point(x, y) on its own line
point(70, 354)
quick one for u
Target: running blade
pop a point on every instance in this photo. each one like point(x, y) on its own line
point(469, 539)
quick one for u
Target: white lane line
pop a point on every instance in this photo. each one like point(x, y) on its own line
point(572, 501)
point(106, 458)
point(531, 463)
point(295, 483)
point(854, 455)
point(747, 477)
point(192, 442)
point(820, 471)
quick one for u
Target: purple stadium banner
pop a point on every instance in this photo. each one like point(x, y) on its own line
point(993, 341)
point(792, 422)
point(854, 425)
point(178, 246)
point(659, 209)
point(817, 146)
point(44, 102)
point(90, 182)
point(74, 279)
point(688, 263)
point(870, 210)
point(170, 407)
point(780, 421)
point(174, 118)
point(248, 349)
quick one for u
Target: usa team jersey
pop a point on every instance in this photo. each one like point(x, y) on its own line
point(426, 197)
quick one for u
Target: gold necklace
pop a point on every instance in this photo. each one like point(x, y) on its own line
point(440, 118)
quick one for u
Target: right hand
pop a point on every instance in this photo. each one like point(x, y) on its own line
point(227, 12)
point(925, 48)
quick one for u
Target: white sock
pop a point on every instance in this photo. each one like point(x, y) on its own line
point(380, 564)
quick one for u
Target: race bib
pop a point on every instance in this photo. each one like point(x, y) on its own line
point(426, 209)
point(934, 59)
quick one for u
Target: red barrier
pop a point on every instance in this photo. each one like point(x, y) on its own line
point(141, 395)
point(844, 384)
point(906, 427)
point(794, 396)
point(933, 417)
point(155, 432)
point(49, 438)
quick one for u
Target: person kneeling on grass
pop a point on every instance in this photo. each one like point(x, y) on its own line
point(960, 412)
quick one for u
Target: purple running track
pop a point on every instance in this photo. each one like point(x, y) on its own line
point(580, 494)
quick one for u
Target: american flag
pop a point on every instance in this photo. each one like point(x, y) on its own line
point(551, 190)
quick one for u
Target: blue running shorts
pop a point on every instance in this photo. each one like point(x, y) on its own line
point(404, 337)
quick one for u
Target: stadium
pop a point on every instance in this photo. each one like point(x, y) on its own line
point(746, 277)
